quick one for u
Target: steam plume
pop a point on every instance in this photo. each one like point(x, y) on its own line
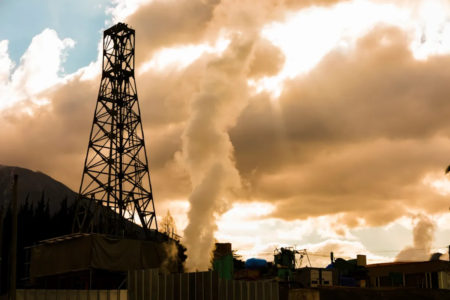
point(207, 149)
point(171, 259)
point(423, 235)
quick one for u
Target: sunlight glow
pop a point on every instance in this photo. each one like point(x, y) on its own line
point(249, 210)
point(255, 234)
point(181, 57)
point(308, 35)
point(439, 183)
point(432, 35)
point(179, 210)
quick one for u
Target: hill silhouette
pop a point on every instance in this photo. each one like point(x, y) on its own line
point(46, 209)
point(33, 186)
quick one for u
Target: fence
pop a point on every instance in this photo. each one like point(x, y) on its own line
point(71, 295)
point(151, 285)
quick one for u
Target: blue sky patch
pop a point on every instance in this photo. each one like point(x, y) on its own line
point(80, 20)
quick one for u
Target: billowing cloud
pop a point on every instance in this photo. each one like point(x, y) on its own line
point(41, 63)
point(171, 23)
point(38, 70)
point(357, 134)
point(167, 23)
point(355, 137)
point(267, 60)
point(5, 62)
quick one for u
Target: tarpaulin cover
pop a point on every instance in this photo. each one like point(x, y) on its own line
point(94, 251)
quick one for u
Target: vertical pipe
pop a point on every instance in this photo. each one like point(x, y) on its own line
point(12, 290)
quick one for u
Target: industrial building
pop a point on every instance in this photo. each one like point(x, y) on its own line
point(313, 277)
point(425, 274)
point(95, 261)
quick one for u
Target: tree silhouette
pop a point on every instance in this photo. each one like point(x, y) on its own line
point(168, 226)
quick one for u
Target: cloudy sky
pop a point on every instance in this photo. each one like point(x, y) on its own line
point(318, 124)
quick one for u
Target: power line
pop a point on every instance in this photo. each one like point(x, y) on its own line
point(323, 254)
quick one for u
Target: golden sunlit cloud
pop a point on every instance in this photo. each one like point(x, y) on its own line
point(308, 35)
point(240, 226)
point(181, 57)
point(178, 209)
point(439, 182)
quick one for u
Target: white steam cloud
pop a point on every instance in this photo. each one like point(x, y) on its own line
point(208, 152)
point(423, 237)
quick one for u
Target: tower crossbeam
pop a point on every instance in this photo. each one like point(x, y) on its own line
point(116, 176)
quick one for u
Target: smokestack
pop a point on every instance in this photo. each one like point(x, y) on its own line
point(448, 252)
point(361, 260)
point(332, 257)
point(222, 249)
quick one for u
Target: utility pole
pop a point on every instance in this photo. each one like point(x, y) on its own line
point(13, 276)
point(2, 219)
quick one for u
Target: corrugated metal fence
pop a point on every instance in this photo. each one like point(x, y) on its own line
point(151, 285)
point(71, 294)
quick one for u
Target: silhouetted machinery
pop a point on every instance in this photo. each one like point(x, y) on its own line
point(115, 227)
point(286, 261)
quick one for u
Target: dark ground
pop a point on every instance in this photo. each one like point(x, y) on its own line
point(341, 293)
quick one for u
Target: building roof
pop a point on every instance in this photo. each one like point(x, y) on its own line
point(383, 269)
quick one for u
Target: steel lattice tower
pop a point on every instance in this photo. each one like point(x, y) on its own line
point(116, 173)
